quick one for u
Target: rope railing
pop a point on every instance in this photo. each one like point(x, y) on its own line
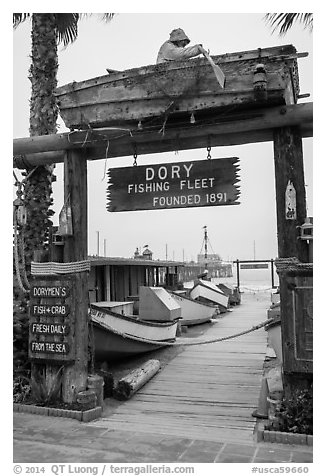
point(183, 343)
point(257, 290)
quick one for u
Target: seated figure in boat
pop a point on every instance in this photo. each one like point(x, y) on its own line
point(175, 48)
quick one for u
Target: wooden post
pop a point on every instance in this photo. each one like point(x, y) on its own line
point(75, 249)
point(238, 274)
point(288, 159)
point(272, 273)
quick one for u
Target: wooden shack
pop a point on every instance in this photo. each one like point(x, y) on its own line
point(119, 279)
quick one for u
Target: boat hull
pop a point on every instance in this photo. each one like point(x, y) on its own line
point(232, 292)
point(178, 87)
point(194, 312)
point(111, 347)
point(118, 336)
point(205, 290)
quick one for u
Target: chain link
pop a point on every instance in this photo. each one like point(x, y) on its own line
point(135, 155)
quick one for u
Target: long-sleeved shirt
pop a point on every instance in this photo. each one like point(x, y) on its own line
point(171, 52)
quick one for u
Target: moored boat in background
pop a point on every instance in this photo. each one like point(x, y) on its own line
point(206, 291)
point(117, 336)
point(231, 291)
point(194, 312)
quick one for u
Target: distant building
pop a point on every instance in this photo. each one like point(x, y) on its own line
point(213, 264)
point(211, 258)
point(147, 254)
point(119, 279)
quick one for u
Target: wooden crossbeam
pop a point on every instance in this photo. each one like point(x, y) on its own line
point(249, 127)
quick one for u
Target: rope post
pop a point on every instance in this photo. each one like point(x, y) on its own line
point(288, 161)
point(75, 249)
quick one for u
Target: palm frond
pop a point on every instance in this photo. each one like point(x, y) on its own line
point(19, 18)
point(108, 16)
point(284, 21)
point(67, 27)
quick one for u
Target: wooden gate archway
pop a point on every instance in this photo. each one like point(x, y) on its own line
point(285, 125)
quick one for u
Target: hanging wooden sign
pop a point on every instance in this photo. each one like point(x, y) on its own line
point(199, 183)
point(51, 323)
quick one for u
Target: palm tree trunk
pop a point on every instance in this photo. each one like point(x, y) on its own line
point(43, 74)
point(43, 118)
point(43, 121)
point(48, 29)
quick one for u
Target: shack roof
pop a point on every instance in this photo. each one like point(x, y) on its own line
point(118, 261)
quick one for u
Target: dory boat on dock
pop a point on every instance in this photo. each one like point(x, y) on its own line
point(194, 312)
point(208, 292)
point(231, 291)
point(149, 95)
point(118, 335)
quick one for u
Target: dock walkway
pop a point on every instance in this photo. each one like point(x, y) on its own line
point(207, 392)
point(197, 409)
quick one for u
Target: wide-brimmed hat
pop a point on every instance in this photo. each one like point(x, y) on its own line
point(178, 34)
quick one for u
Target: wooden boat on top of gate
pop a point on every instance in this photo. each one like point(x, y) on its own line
point(182, 91)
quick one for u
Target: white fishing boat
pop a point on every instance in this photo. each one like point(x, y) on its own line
point(117, 336)
point(206, 291)
point(194, 312)
point(119, 307)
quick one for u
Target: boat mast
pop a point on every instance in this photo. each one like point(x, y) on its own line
point(205, 243)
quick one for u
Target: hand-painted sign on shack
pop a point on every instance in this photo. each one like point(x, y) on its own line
point(51, 327)
point(201, 183)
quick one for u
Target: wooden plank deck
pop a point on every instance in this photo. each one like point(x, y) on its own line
point(207, 392)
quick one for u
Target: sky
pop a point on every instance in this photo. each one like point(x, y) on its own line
point(130, 40)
